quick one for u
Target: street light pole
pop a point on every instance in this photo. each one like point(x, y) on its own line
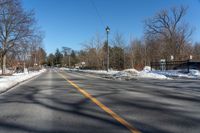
point(107, 32)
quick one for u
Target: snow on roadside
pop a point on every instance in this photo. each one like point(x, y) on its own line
point(145, 73)
point(133, 73)
point(193, 74)
point(6, 82)
point(147, 69)
point(125, 74)
point(110, 72)
point(100, 71)
point(151, 75)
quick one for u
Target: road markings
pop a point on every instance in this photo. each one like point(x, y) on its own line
point(102, 106)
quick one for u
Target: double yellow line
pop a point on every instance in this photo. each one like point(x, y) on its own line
point(102, 106)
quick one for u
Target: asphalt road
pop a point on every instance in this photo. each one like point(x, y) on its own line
point(52, 103)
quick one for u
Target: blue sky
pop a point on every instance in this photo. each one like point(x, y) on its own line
point(72, 22)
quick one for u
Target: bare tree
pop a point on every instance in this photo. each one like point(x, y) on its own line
point(118, 51)
point(196, 51)
point(35, 43)
point(15, 25)
point(95, 53)
point(167, 26)
point(137, 54)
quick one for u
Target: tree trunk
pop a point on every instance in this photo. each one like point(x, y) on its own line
point(4, 65)
point(1, 63)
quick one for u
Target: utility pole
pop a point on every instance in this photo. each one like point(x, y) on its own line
point(107, 32)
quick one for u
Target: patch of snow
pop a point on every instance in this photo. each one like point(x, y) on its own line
point(65, 68)
point(92, 71)
point(144, 74)
point(193, 74)
point(133, 73)
point(100, 71)
point(7, 71)
point(122, 75)
point(147, 69)
point(7, 82)
point(125, 74)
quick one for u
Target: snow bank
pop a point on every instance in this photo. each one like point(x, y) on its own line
point(133, 73)
point(92, 71)
point(7, 71)
point(147, 69)
point(100, 71)
point(64, 68)
point(170, 73)
point(144, 74)
point(147, 73)
point(193, 74)
point(6, 82)
point(125, 74)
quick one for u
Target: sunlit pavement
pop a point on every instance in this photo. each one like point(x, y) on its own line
point(50, 104)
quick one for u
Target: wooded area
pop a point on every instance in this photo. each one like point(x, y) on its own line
point(166, 34)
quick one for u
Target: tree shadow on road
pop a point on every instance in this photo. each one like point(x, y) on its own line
point(53, 98)
point(160, 104)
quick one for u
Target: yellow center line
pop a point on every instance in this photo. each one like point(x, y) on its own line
point(103, 107)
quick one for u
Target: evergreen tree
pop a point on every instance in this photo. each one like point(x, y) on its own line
point(51, 60)
point(74, 59)
point(58, 57)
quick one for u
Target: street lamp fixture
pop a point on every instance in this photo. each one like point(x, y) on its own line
point(107, 29)
point(107, 32)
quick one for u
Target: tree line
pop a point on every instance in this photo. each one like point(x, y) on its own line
point(66, 57)
point(20, 38)
point(166, 35)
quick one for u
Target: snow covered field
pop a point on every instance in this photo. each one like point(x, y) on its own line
point(7, 82)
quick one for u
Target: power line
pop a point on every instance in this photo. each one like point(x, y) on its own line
point(97, 12)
